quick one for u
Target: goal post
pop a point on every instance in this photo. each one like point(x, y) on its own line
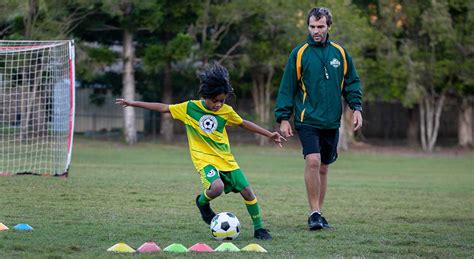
point(37, 106)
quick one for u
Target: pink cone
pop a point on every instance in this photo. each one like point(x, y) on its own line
point(149, 247)
point(200, 247)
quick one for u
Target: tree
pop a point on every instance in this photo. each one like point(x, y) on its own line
point(272, 31)
point(165, 49)
point(210, 31)
point(161, 58)
point(44, 20)
point(352, 29)
point(131, 17)
point(385, 73)
point(40, 20)
point(430, 41)
point(463, 23)
point(428, 51)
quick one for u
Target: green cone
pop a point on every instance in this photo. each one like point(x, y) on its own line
point(227, 247)
point(176, 248)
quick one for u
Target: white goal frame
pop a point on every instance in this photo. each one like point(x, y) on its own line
point(37, 107)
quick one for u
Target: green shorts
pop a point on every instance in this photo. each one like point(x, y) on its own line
point(234, 181)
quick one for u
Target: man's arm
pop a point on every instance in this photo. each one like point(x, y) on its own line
point(287, 90)
point(160, 107)
point(352, 93)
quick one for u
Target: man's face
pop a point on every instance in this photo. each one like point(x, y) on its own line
point(318, 29)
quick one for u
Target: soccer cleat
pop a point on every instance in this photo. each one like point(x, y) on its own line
point(315, 221)
point(206, 212)
point(262, 234)
point(325, 223)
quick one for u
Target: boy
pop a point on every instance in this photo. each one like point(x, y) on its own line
point(205, 122)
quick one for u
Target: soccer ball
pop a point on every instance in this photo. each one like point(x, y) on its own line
point(225, 226)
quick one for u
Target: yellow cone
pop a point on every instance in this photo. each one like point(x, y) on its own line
point(121, 248)
point(254, 248)
point(3, 227)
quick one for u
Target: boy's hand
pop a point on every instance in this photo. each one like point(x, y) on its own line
point(277, 138)
point(122, 102)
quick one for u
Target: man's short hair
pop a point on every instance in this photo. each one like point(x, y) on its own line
point(320, 12)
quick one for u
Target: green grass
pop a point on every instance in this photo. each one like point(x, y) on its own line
point(382, 205)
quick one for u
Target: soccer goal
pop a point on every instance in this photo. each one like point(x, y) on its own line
point(37, 95)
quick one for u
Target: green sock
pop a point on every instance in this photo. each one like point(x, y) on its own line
point(203, 199)
point(254, 210)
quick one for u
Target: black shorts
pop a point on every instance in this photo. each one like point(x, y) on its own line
point(322, 141)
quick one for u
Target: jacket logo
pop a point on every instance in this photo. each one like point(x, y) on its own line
point(208, 123)
point(335, 63)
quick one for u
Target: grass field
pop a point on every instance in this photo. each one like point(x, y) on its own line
point(381, 205)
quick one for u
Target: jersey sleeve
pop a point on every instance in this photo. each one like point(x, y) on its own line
point(178, 111)
point(234, 118)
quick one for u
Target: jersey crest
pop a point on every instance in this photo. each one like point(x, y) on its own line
point(208, 123)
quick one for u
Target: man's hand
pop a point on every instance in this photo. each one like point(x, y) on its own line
point(277, 138)
point(357, 120)
point(285, 128)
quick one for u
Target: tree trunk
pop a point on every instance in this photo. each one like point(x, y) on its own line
point(346, 130)
point(412, 129)
point(166, 122)
point(205, 19)
point(343, 143)
point(26, 107)
point(261, 93)
point(465, 129)
point(128, 90)
point(30, 19)
point(430, 112)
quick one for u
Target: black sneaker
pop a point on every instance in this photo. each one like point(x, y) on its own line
point(325, 223)
point(206, 212)
point(315, 221)
point(262, 234)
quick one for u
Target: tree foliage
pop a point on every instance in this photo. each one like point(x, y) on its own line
point(411, 51)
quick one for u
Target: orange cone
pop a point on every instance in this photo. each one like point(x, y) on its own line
point(3, 227)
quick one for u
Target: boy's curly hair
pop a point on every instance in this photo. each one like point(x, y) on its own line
point(214, 81)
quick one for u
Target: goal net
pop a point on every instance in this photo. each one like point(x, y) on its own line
point(36, 107)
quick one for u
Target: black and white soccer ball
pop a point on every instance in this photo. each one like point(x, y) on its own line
point(225, 226)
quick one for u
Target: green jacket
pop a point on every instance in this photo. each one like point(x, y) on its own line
point(315, 78)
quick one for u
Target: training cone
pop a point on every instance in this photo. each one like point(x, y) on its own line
point(176, 248)
point(3, 227)
point(254, 248)
point(121, 248)
point(227, 247)
point(23, 227)
point(200, 247)
point(148, 247)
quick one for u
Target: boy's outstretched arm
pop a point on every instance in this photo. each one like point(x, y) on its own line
point(275, 136)
point(160, 107)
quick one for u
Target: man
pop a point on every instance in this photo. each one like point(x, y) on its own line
point(317, 74)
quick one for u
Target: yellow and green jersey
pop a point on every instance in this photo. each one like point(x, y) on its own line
point(207, 136)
